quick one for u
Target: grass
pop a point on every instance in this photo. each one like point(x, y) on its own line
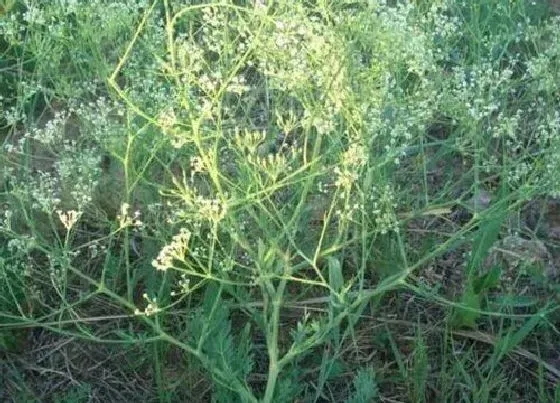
point(279, 201)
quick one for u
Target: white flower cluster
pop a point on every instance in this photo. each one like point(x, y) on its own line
point(126, 220)
point(100, 118)
point(79, 172)
point(68, 218)
point(6, 219)
point(20, 245)
point(213, 210)
point(65, 169)
point(548, 137)
point(347, 173)
point(184, 286)
point(44, 189)
point(478, 91)
point(52, 134)
point(151, 308)
point(299, 53)
point(198, 207)
point(544, 67)
point(176, 250)
point(383, 208)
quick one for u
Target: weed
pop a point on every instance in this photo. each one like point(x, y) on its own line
point(279, 201)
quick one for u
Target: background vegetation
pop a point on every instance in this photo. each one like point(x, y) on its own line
point(311, 201)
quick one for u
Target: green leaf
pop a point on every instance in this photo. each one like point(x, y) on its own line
point(488, 280)
point(485, 239)
point(365, 387)
point(420, 369)
point(399, 358)
point(230, 354)
point(483, 242)
point(289, 386)
point(513, 338)
point(336, 280)
point(469, 315)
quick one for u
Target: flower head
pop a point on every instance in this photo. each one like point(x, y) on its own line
point(68, 218)
point(151, 308)
point(176, 250)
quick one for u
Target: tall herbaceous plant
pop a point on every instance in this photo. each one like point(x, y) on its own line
point(288, 123)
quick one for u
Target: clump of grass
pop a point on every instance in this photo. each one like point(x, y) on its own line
point(241, 189)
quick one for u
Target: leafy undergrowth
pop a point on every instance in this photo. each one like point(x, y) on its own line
point(276, 201)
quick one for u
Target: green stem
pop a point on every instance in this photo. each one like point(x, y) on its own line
point(272, 342)
point(274, 364)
